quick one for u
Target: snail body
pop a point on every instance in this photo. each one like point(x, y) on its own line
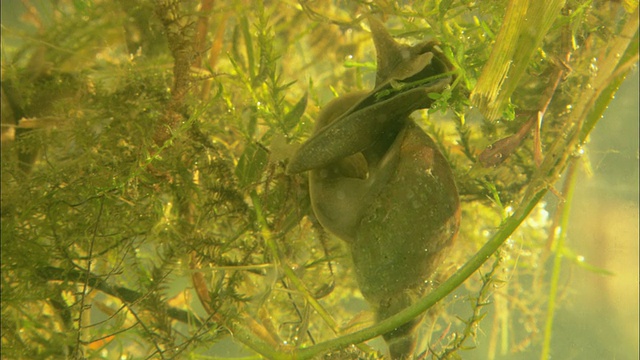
point(379, 182)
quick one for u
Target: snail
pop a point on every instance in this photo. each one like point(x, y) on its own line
point(379, 182)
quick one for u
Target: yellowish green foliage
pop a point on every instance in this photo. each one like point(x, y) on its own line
point(146, 212)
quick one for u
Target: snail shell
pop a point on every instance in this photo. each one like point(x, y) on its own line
point(379, 182)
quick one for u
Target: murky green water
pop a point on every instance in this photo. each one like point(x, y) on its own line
point(147, 209)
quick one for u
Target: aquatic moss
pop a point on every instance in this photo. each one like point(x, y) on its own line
point(145, 208)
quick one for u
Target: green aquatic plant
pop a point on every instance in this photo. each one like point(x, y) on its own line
point(147, 211)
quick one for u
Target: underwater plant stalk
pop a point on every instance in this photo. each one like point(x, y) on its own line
point(577, 127)
point(291, 275)
point(568, 191)
point(384, 326)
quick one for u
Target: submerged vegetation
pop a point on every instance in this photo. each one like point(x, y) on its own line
point(146, 212)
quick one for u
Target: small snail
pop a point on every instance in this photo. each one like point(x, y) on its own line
point(378, 181)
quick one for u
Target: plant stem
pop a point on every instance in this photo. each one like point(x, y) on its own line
point(568, 191)
point(555, 162)
point(291, 275)
point(508, 227)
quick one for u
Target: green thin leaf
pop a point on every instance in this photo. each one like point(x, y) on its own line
point(293, 116)
point(251, 164)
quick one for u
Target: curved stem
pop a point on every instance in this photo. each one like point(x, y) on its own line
point(291, 275)
point(555, 162)
point(508, 227)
